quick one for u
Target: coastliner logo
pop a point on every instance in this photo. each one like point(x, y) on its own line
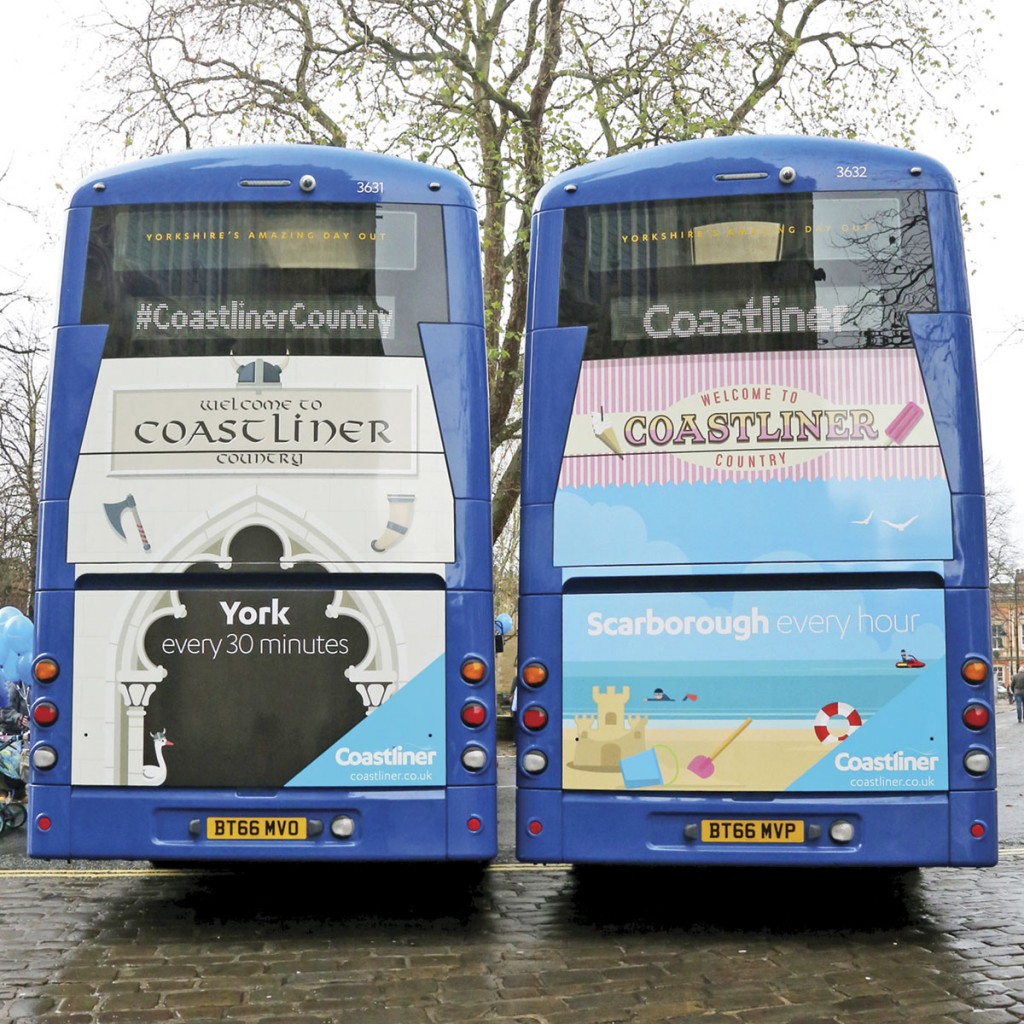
point(897, 761)
point(767, 316)
point(391, 757)
point(364, 430)
point(754, 426)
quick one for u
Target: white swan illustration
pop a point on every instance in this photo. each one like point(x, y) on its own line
point(156, 774)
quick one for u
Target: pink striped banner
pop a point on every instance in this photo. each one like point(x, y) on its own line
point(879, 377)
point(843, 379)
point(644, 469)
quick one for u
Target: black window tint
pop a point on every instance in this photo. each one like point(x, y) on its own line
point(748, 273)
point(265, 278)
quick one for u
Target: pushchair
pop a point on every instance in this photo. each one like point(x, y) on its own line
point(13, 774)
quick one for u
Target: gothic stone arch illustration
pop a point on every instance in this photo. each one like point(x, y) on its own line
point(248, 684)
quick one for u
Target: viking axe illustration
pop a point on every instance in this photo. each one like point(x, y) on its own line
point(115, 510)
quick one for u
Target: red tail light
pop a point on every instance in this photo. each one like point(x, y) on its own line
point(535, 718)
point(976, 716)
point(474, 714)
point(44, 713)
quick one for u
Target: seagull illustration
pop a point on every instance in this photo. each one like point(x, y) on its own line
point(863, 522)
point(899, 526)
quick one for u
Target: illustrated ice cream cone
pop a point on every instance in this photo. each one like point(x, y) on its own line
point(399, 520)
point(605, 433)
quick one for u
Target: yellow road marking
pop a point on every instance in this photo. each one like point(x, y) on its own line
point(1010, 853)
point(228, 866)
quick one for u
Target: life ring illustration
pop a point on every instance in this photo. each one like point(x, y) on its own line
point(837, 709)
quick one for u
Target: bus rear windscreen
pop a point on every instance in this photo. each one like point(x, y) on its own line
point(750, 273)
point(214, 278)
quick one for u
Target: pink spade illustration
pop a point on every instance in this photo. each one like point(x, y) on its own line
point(704, 765)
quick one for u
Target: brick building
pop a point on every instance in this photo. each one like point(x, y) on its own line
point(1007, 602)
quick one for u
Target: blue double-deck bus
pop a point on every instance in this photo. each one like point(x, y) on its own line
point(754, 623)
point(264, 615)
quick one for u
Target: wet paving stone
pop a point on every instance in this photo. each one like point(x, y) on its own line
point(410, 945)
point(605, 947)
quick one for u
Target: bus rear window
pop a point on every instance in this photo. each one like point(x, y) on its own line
point(747, 273)
point(267, 278)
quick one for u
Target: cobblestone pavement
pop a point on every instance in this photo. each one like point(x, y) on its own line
point(293, 946)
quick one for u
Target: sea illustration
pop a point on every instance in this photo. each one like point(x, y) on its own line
point(791, 682)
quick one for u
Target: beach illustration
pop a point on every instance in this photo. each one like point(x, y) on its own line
point(617, 745)
point(771, 756)
point(798, 691)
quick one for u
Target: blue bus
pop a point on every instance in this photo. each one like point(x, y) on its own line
point(754, 622)
point(264, 618)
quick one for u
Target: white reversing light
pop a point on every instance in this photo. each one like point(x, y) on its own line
point(44, 758)
point(474, 758)
point(841, 831)
point(343, 827)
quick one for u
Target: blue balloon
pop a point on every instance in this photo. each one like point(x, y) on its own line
point(20, 634)
point(25, 667)
point(9, 670)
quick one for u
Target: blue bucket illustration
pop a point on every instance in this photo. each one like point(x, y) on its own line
point(644, 769)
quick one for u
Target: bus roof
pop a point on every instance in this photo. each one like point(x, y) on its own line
point(696, 168)
point(218, 174)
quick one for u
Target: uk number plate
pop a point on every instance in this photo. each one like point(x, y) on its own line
point(751, 830)
point(255, 828)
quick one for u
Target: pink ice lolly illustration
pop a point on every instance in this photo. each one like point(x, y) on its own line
point(908, 418)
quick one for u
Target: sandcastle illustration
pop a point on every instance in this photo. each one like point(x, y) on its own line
point(604, 739)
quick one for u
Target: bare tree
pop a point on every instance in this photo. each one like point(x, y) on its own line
point(22, 396)
point(507, 92)
point(1004, 555)
point(12, 283)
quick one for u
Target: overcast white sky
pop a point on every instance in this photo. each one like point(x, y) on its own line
point(46, 65)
